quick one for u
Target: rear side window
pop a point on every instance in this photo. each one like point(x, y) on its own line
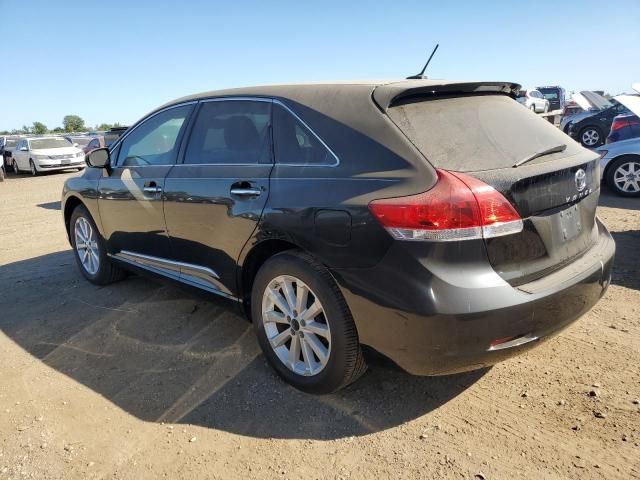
point(235, 132)
point(155, 141)
point(295, 144)
point(474, 133)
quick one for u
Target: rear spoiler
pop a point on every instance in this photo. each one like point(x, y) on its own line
point(391, 94)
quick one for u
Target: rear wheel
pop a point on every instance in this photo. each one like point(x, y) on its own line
point(590, 137)
point(90, 252)
point(304, 325)
point(623, 176)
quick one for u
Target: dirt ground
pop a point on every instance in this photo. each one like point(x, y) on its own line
point(143, 379)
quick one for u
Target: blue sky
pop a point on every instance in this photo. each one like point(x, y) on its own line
point(114, 61)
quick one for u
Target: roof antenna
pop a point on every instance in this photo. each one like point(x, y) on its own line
point(421, 75)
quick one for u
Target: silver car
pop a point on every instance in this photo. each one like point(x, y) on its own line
point(620, 162)
point(533, 100)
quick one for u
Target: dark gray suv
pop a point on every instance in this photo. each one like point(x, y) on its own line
point(439, 223)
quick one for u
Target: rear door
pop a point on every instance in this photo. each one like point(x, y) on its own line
point(215, 196)
point(130, 197)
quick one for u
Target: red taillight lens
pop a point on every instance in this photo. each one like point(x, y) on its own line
point(618, 123)
point(458, 207)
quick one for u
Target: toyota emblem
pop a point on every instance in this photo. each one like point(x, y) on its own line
point(581, 179)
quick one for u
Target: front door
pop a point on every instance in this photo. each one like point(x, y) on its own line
point(131, 196)
point(214, 198)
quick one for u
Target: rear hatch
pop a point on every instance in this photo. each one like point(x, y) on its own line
point(484, 134)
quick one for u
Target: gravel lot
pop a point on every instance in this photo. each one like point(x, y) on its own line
point(144, 379)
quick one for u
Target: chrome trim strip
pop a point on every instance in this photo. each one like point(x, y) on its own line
point(231, 98)
point(170, 264)
point(187, 273)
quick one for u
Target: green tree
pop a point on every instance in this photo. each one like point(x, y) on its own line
point(25, 129)
point(73, 123)
point(58, 130)
point(103, 126)
point(39, 128)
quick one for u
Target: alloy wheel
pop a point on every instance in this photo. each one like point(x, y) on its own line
point(627, 177)
point(87, 246)
point(590, 137)
point(296, 325)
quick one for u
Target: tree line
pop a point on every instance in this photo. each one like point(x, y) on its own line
point(70, 123)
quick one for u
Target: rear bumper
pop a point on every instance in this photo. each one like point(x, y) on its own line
point(432, 326)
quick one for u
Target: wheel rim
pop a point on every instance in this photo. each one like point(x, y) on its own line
point(296, 326)
point(590, 137)
point(627, 177)
point(86, 246)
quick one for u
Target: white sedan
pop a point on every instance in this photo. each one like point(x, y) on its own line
point(42, 154)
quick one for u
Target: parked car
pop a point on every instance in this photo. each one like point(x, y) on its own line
point(7, 148)
point(620, 163)
point(96, 142)
point(113, 135)
point(315, 208)
point(555, 95)
point(39, 154)
point(591, 128)
point(623, 127)
point(533, 100)
point(79, 141)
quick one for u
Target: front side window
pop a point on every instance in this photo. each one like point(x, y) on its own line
point(231, 132)
point(294, 143)
point(155, 141)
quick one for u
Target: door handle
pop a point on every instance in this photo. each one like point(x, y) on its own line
point(150, 189)
point(246, 192)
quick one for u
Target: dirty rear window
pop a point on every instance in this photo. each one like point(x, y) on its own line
point(481, 132)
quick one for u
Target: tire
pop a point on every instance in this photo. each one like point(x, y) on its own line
point(1, 174)
point(106, 271)
point(343, 362)
point(533, 107)
point(546, 108)
point(590, 137)
point(33, 169)
point(623, 176)
point(16, 170)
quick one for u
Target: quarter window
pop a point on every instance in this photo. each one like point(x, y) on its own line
point(155, 141)
point(231, 132)
point(295, 143)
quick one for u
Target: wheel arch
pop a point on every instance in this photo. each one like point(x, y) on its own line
point(70, 204)
point(255, 257)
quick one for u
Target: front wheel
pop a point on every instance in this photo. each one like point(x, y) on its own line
point(90, 252)
point(32, 168)
point(304, 325)
point(590, 137)
point(16, 169)
point(533, 107)
point(623, 176)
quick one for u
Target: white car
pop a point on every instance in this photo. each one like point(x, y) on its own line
point(533, 100)
point(44, 154)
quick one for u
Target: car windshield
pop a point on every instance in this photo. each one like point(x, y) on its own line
point(40, 143)
point(549, 94)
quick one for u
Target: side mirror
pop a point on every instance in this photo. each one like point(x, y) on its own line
point(24, 149)
point(98, 158)
point(75, 144)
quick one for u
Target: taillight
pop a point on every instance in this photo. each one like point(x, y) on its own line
point(458, 207)
point(618, 123)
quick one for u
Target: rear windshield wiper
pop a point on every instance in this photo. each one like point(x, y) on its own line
point(557, 149)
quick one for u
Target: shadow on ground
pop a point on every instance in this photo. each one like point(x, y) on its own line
point(611, 200)
point(163, 354)
point(50, 205)
point(626, 272)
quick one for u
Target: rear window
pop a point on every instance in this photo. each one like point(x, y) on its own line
point(474, 133)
